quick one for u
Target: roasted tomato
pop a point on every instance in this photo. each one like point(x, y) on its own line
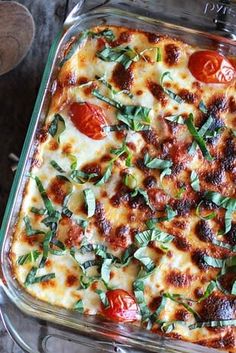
point(89, 119)
point(122, 306)
point(211, 67)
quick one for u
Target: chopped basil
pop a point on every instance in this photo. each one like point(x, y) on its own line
point(47, 239)
point(207, 217)
point(89, 263)
point(56, 166)
point(32, 279)
point(103, 298)
point(210, 288)
point(40, 211)
point(61, 249)
point(180, 192)
point(202, 107)
point(143, 238)
point(166, 171)
point(138, 288)
point(29, 230)
point(110, 128)
point(198, 137)
point(130, 181)
point(171, 94)
point(57, 127)
point(106, 270)
point(128, 255)
point(202, 132)
point(86, 281)
point(106, 33)
point(109, 86)
point(224, 245)
point(213, 262)
point(106, 176)
point(154, 317)
point(219, 323)
point(122, 55)
point(177, 298)
point(79, 306)
point(120, 151)
point(178, 119)
point(90, 201)
point(81, 177)
point(73, 161)
point(51, 220)
point(148, 263)
point(169, 326)
point(158, 54)
point(195, 183)
point(156, 163)
point(47, 203)
point(27, 258)
point(135, 117)
point(145, 196)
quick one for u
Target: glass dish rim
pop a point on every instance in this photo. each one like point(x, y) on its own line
point(52, 315)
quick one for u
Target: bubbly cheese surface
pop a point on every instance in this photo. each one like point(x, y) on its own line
point(138, 195)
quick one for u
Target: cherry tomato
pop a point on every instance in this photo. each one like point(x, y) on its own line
point(89, 119)
point(122, 306)
point(211, 67)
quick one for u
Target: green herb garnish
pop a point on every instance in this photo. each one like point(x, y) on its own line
point(29, 230)
point(57, 127)
point(27, 258)
point(195, 183)
point(90, 201)
point(79, 306)
point(156, 163)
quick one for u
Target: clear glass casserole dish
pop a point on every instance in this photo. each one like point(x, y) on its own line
point(154, 16)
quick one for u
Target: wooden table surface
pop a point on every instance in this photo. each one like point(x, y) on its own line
point(18, 91)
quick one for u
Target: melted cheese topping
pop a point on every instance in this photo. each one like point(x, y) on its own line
point(180, 267)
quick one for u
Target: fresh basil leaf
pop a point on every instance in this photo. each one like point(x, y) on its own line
point(207, 217)
point(127, 255)
point(198, 137)
point(182, 301)
point(178, 119)
point(219, 323)
point(106, 33)
point(202, 132)
point(47, 239)
point(224, 245)
point(213, 262)
point(73, 161)
point(138, 288)
point(56, 166)
point(74, 47)
point(29, 230)
point(130, 181)
point(170, 214)
point(79, 306)
point(107, 100)
point(195, 183)
point(86, 281)
point(106, 176)
point(27, 258)
point(110, 128)
point(47, 203)
point(106, 270)
point(166, 171)
point(143, 238)
point(90, 201)
point(81, 177)
point(32, 279)
point(210, 288)
point(170, 93)
point(147, 262)
point(220, 200)
point(103, 298)
point(61, 249)
point(158, 54)
point(145, 196)
point(118, 152)
point(52, 220)
point(57, 127)
point(156, 163)
point(202, 107)
point(122, 55)
point(40, 211)
point(169, 326)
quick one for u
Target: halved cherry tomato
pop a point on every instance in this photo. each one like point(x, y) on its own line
point(89, 119)
point(211, 67)
point(122, 306)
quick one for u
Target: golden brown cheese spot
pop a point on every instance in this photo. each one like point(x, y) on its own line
point(198, 258)
point(231, 235)
point(158, 198)
point(42, 135)
point(151, 137)
point(70, 232)
point(122, 195)
point(92, 168)
point(123, 78)
point(67, 148)
point(102, 223)
point(215, 177)
point(53, 145)
point(204, 232)
point(150, 182)
point(172, 54)
point(181, 243)
point(121, 237)
point(57, 190)
point(188, 96)
point(182, 315)
point(228, 161)
point(232, 105)
point(218, 307)
point(158, 92)
point(124, 37)
point(218, 104)
point(223, 341)
point(153, 38)
point(71, 280)
point(178, 279)
point(51, 283)
point(183, 206)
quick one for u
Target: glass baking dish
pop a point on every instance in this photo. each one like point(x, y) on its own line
point(217, 21)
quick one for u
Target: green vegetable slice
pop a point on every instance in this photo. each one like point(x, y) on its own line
point(79, 306)
point(57, 127)
point(198, 137)
point(147, 262)
point(90, 202)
